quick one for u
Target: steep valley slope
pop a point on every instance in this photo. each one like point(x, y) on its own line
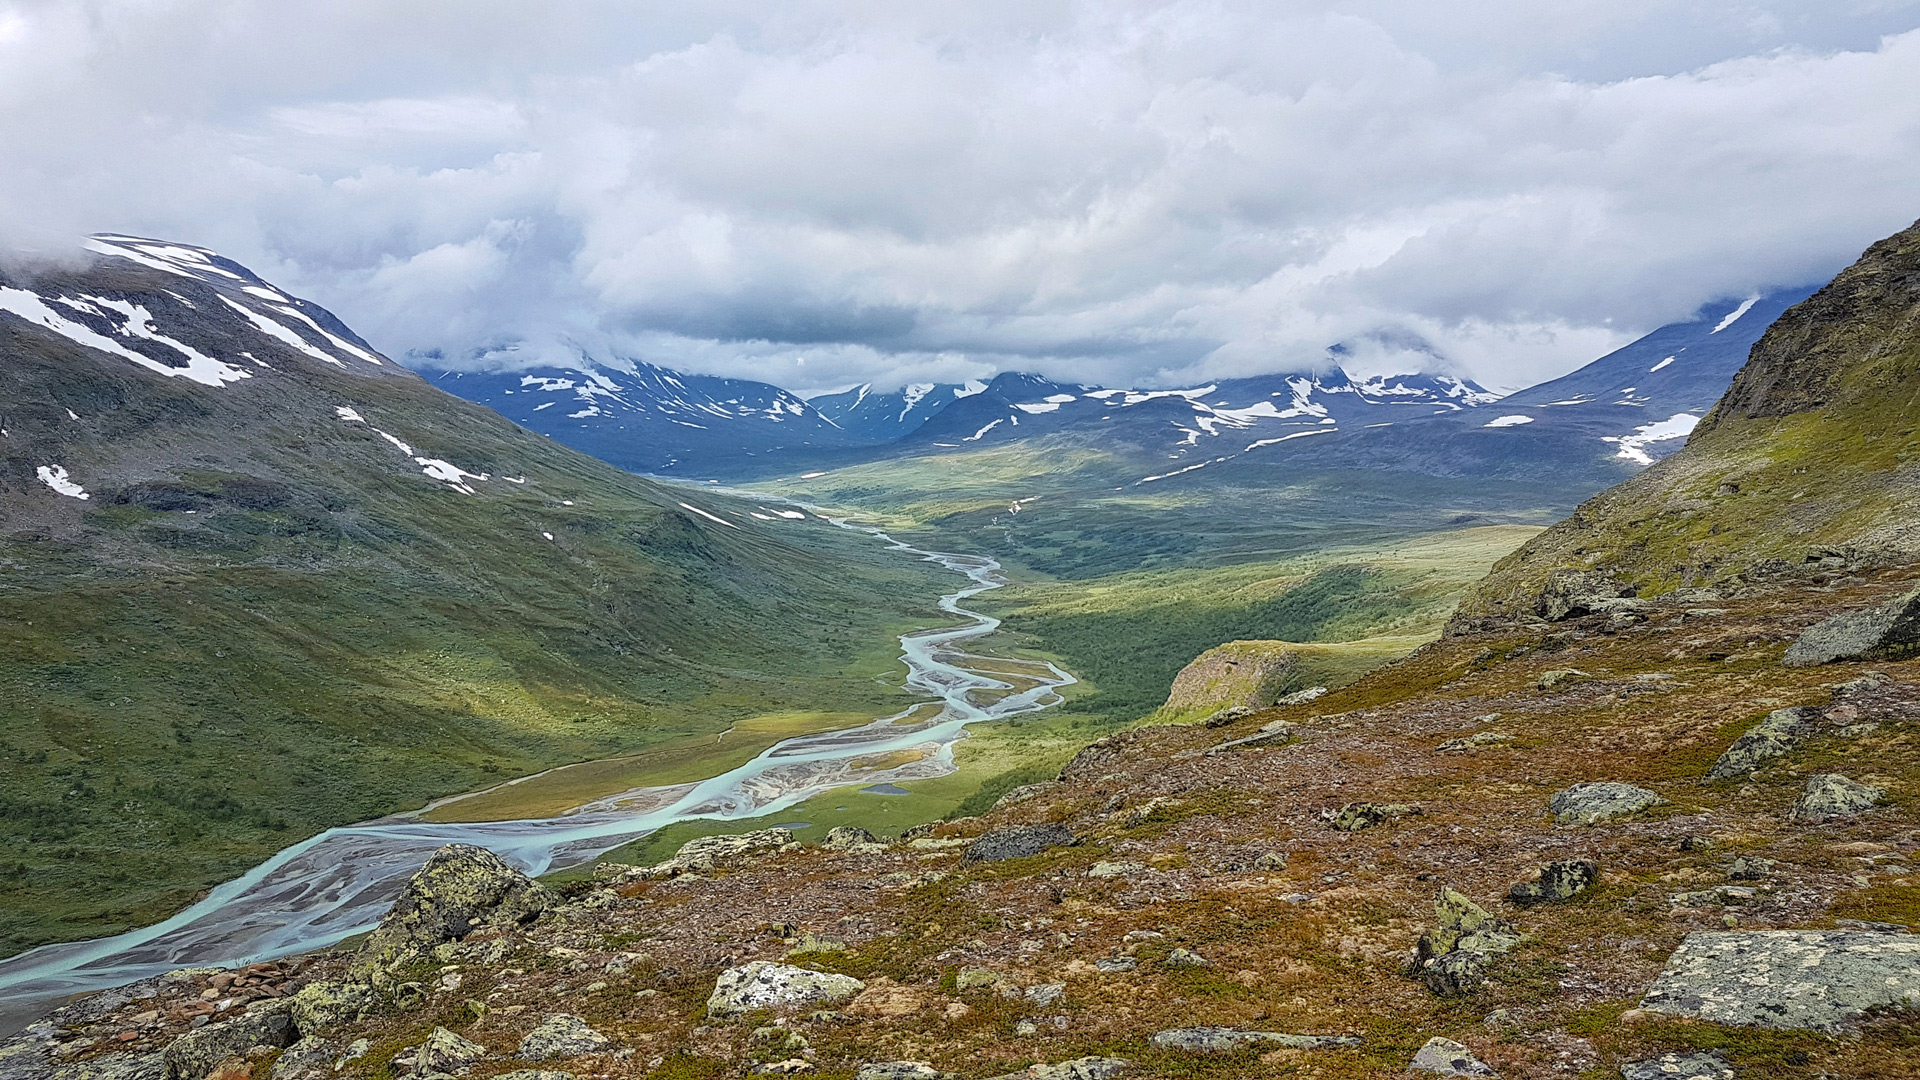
point(1586, 833)
point(258, 580)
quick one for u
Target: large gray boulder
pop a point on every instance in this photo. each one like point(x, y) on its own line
point(1819, 980)
point(1587, 804)
point(1448, 1058)
point(1888, 630)
point(193, 1055)
point(1781, 731)
point(1204, 1040)
point(705, 854)
point(767, 985)
point(1830, 795)
point(1018, 842)
point(559, 1036)
point(461, 889)
point(846, 837)
point(1577, 592)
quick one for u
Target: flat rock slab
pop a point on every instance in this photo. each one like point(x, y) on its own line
point(1830, 795)
point(1696, 1066)
point(1216, 1039)
point(1817, 980)
point(1086, 1068)
point(1587, 804)
point(766, 985)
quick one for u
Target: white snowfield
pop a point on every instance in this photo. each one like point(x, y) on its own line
point(1734, 315)
point(444, 471)
point(137, 323)
point(709, 517)
point(55, 477)
point(1633, 447)
point(1508, 421)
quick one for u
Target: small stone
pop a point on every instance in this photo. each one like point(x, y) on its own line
point(1271, 860)
point(1558, 881)
point(976, 978)
point(1588, 804)
point(561, 1035)
point(1086, 1068)
point(1710, 1065)
point(1449, 1058)
point(1019, 842)
point(1026, 1027)
point(959, 1010)
point(1830, 795)
point(766, 985)
point(1104, 869)
point(1180, 957)
point(1045, 994)
point(536, 1074)
point(1221, 718)
point(1696, 843)
point(475, 1009)
point(1456, 974)
point(1113, 965)
point(1750, 868)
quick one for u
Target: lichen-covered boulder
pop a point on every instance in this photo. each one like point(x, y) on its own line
point(1561, 880)
point(766, 985)
point(308, 1059)
point(194, 1055)
point(1781, 731)
point(1819, 980)
point(900, 1070)
point(1830, 795)
point(323, 1007)
point(1885, 631)
point(1587, 804)
point(1448, 1058)
point(1018, 842)
point(444, 1051)
point(1453, 957)
point(705, 854)
point(461, 889)
point(1086, 1068)
point(106, 1067)
point(1707, 1065)
point(844, 837)
point(561, 1035)
point(1354, 817)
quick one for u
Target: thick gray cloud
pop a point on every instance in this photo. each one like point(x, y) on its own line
point(819, 192)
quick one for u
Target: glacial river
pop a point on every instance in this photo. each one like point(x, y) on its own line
point(340, 882)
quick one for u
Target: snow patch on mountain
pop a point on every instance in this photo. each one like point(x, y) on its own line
point(1633, 447)
point(135, 323)
point(55, 477)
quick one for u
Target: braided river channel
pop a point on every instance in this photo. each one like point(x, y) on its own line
point(340, 882)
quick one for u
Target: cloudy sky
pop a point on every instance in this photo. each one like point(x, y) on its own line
point(819, 192)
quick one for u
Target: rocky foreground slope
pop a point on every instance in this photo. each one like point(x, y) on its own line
point(1589, 833)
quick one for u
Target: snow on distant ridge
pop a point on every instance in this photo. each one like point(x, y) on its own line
point(1633, 447)
point(1734, 315)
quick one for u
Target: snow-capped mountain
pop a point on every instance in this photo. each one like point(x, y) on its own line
point(1236, 414)
point(871, 416)
point(647, 418)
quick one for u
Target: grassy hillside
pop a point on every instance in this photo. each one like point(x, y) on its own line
point(266, 619)
point(1810, 463)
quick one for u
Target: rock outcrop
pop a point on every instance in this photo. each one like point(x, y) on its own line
point(1698, 1065)
point(1577, 592)
point(1453, 958)
point(1819, 980)
point(461, 889)
point(1019, 842)
point(1448, 1058)
point(1203, 1040)
point(706, 854)
point(1885, 631)
point(1249, 674)
point(194, 1056)
point(1779, 732)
